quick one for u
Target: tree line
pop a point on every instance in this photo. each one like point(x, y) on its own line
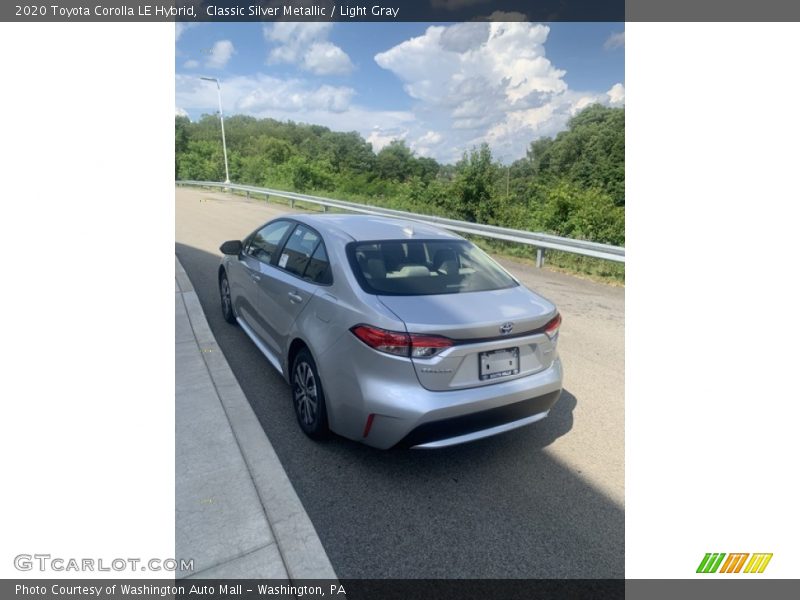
point(571, 185)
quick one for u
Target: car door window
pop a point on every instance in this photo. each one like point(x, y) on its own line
point(297, 251)
point(319, 268)
point(263, 244)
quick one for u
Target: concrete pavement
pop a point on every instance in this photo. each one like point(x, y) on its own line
point(236, 512)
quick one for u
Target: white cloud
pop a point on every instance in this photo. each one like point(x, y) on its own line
point(486, 63)
point(179, 112)
point(293, 96)
point(431, 137)
point(615, 40)
point(220, 53)
point(181, 27)
point(379, 138)
point(324, 58)
point(426, 144)
point(191, 64)
point(470, 83)
point(306, 45)
point(616, 95)
point(296, 99)
point(485, 82)
point(261, 95)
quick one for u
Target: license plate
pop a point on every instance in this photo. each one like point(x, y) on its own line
point(498, 363)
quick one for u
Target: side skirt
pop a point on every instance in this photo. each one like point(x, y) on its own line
point(273, 360)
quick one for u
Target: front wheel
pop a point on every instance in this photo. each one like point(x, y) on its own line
point(309, 399)
point(225, 299)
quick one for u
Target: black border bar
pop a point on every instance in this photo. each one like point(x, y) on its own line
point(711, 587)
point(344, 589)
point(399, 10)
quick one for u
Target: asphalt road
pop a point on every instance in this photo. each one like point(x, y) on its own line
point(542, 501)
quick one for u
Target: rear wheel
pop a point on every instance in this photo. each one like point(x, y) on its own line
point(309, 399)
point(225, 299)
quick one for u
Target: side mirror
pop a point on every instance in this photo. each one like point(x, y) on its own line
point(232, 247)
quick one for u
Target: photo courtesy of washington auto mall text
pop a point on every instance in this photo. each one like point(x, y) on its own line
point(160, 589)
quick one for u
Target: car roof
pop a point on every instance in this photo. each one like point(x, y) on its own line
point(372, 227)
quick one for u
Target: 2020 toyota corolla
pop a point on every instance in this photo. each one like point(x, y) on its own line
point(392, 332)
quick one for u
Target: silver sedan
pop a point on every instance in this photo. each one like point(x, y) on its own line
point(392, 332)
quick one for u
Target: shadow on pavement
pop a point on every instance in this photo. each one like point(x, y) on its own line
point(495, 508)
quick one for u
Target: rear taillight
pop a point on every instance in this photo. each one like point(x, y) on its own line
point(414, 345)
point(423, 346)
point(391, 342)
point(551, 329)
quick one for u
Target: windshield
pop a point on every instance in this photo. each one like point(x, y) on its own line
point(424, 267)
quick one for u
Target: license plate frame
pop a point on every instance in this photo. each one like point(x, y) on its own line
point(491, 363)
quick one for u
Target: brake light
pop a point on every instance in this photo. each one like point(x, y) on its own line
point(391, 342)
point(551, 329)
point(414, 345)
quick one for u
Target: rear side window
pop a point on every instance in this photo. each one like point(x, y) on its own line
point(304, 255)
point(425, 267)
point(319, 269)
point(265, 241)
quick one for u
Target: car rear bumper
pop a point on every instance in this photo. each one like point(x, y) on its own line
point(382, 404)
point(478, 425)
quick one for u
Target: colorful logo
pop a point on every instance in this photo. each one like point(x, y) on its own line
point(734, 562)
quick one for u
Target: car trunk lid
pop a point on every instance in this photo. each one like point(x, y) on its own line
point(497, 335)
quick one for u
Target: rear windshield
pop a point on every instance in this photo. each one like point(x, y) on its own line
point(424, 267)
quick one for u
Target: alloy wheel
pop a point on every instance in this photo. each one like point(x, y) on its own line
point(225, 295)
point(305, 392)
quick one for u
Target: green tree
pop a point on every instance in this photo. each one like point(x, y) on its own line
point(472, 187)
point(181, 138)
point(571, 185)
point(590, 214)
point(395, 161)
point(591, 152)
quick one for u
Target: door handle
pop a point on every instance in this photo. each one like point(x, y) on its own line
point(255, 277)
point(295, 297)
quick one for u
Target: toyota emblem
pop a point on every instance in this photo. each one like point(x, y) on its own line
point(506, 328)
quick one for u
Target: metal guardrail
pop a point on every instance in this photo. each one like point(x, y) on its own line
point(541, 241)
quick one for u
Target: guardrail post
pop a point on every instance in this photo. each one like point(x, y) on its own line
point(291, 202)
point(539, 258)
point(325, 208)
point(247, 193)
point(266, 198)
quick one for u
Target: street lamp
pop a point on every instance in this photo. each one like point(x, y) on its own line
point(222, 125)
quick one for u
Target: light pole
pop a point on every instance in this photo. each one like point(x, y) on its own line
point(222, 125)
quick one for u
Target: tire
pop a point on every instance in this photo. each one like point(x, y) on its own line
point(225, 299)
point(308, 397)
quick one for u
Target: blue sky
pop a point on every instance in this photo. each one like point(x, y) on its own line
point(442, 88)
